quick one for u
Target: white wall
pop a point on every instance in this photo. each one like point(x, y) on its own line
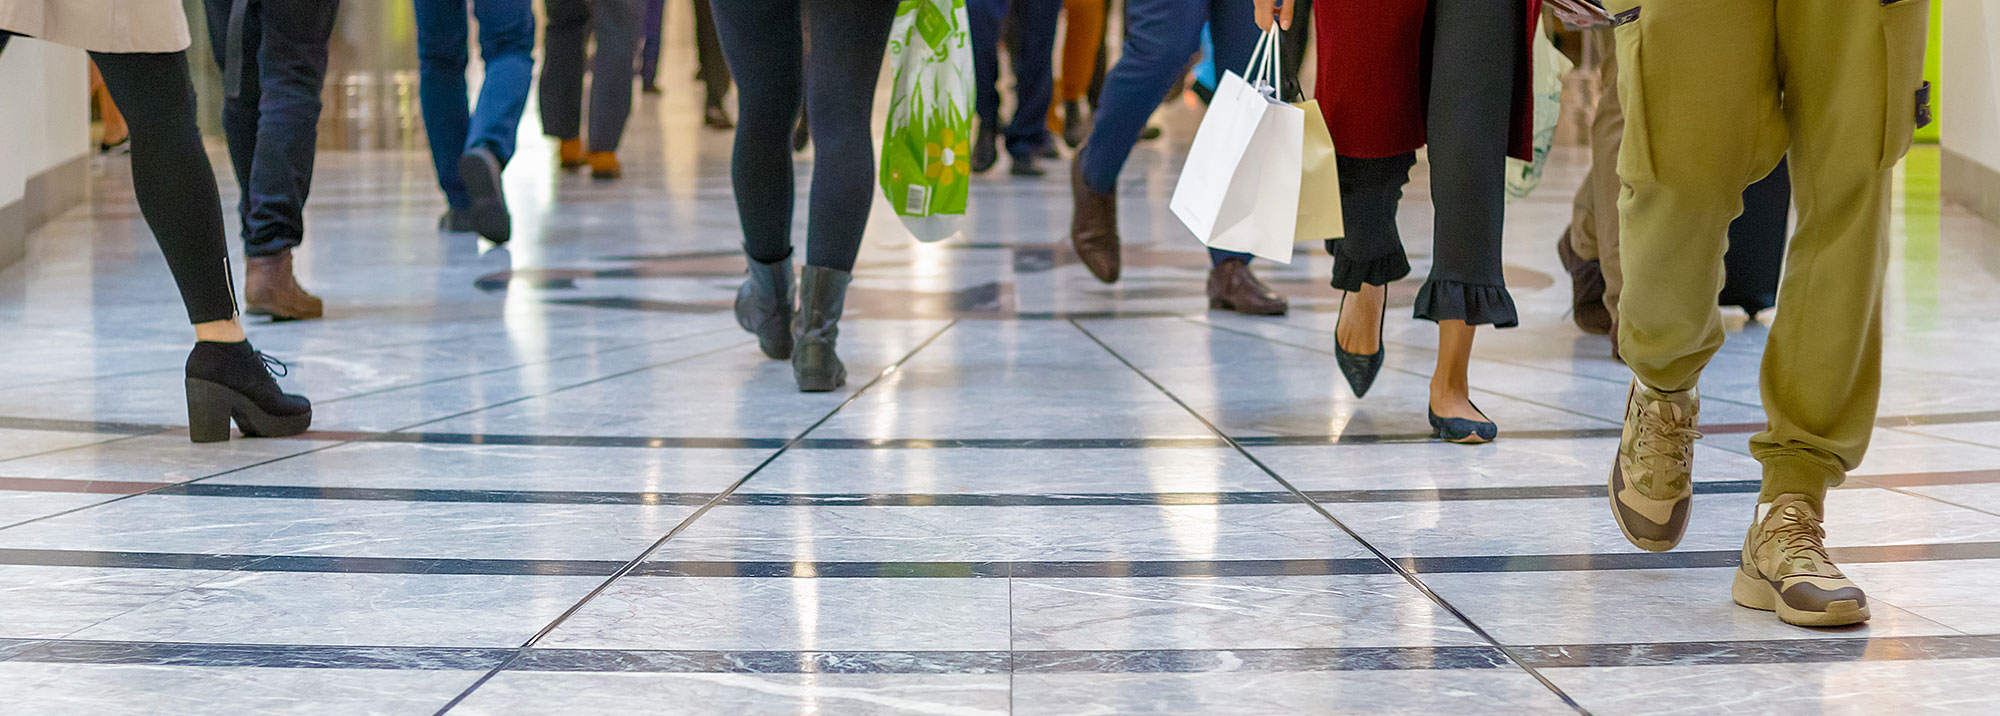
point(1969, 101)
point(44, 111)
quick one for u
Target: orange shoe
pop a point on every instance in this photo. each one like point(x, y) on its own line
point(604, 165)
point(571, 154)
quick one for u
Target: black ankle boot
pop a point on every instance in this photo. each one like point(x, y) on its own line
point(764, 306)
point(985, 149)
point(233, 381)
point(822, 296)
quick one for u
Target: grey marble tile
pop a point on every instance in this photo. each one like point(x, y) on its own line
point(956, 534)
point(1629, 606)
point(791, 614)
point(132, 689)
point(351, 609)
point(1906, 450)
point(354, 528)
point(1963, 595)
point(52, 602)
point(773, 694)
point(1930, 687)
point(1986, 433)
point(1229, 613)
point(1493, 691)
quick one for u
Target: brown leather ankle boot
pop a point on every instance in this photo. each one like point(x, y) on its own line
point(1093, 228)
point(270, 289)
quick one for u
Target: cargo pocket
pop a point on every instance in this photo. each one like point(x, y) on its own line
point(1635, 156)
point(1905, 33)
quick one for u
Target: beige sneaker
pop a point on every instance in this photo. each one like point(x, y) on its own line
point(1786, 569)
point(1651, 481)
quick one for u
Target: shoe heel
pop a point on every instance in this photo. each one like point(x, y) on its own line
point(1752, 592)
point(1217, 304)
point(209, 408)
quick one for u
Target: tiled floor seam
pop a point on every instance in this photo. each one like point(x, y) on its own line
point(1398, 569)
point(636, 561)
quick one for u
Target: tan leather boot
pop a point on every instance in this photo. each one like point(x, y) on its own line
point(1093, 228)
point(270, 289)
point(604, 165)
point(570, 154)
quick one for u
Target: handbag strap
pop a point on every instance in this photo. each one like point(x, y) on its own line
point(1263, 67)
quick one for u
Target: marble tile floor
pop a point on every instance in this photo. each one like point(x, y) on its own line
point(553, 477)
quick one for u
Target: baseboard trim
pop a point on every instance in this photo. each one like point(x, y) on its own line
point(43, 197)
point(1970, 184)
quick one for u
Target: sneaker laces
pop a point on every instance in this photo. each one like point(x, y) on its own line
point(1664, 438)
point(1801, 539)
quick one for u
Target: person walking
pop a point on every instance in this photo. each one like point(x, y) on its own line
point(1838, 86)
point(470, 145)
point(572, 25)
point(1382, 101)
point(1082, 50)
point(767, 55)
point(273, 56)
point(1034, 80)
point(114, 134)
point(140, 47)
point(711, 69)
point(1161, 36)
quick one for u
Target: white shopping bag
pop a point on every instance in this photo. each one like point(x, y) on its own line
point(1239, 190)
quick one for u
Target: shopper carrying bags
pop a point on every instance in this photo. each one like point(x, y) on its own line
point(1396, 75)
point(766, 50)
point(140, 47)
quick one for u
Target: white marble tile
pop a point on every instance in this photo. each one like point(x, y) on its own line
point(508, 467)
point(351, 610)
point(1503, 463)
point(1230, 613)
point(15, 444)
point(952, 471)
point(825, 614)
point(1638, 605)
point(161, 458)
point(745, 694)
point(1928, 687)
point(144, 690)
point(17, 506)
point(53, 602)
point(956, 534)
point(1469, 691)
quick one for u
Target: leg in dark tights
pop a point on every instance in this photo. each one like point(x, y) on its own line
point(764, 47)
point(172, 177)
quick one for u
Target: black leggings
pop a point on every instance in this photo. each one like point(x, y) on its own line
point(1473, 45)
point(172, 177)
point(765, 48)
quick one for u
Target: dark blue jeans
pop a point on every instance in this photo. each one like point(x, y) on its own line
point(1034, 71)
point(507, 44)
point(1160, 37)
point(271, 118)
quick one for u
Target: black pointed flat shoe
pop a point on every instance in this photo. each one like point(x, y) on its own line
point(1463, 431)
point(1360, 370)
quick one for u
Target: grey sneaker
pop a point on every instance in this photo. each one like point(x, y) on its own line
point(1652, 486)
point(1786, 569)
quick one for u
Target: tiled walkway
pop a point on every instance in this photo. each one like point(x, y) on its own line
point(556, 478)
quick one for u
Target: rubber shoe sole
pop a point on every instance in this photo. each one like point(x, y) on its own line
point(1756, 593)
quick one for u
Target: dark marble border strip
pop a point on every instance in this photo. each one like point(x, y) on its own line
point(1689, 559)
point(640, 441)
point(418, 658)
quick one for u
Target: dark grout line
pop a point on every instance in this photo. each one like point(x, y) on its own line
point(1398, 568)
point(634, 563)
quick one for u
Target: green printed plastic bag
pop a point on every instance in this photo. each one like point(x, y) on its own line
point(926, 148)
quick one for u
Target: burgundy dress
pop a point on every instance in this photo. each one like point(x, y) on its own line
point(1371, 76)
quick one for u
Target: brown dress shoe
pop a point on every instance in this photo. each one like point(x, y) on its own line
point(269, 289)
point(1586, 289)
point(1232, 287)
point(1093, 229)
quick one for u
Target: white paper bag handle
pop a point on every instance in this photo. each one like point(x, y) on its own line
point(1262, 70)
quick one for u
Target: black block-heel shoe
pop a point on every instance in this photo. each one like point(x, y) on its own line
point(1463, 431)
point(232, 381)
point(1360, 370)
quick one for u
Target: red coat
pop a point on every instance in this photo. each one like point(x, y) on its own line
point(1371, 83)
